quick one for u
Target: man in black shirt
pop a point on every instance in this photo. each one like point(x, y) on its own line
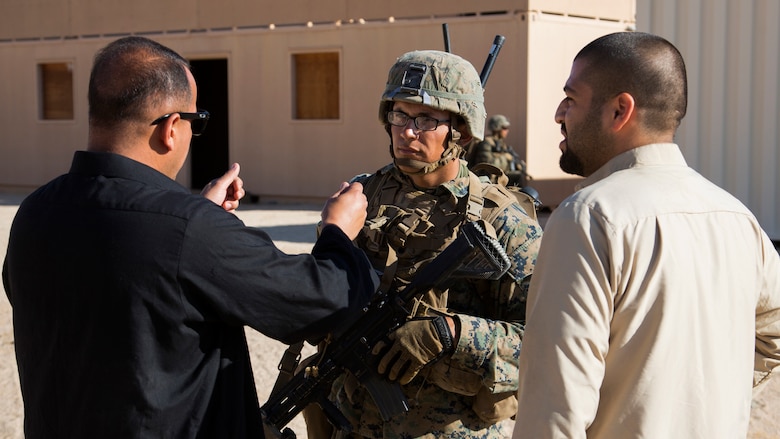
point(130, 294)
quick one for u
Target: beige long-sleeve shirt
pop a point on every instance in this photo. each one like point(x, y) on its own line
point(653, 311)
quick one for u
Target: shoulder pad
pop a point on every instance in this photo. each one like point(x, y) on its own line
point(502, 196)
point(492, 172)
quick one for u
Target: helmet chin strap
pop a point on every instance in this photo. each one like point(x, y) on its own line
point(452, 152)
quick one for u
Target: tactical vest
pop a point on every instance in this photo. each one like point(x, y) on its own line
point(406, 229)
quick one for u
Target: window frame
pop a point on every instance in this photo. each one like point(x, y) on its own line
point(51, 107)
point(295, 81)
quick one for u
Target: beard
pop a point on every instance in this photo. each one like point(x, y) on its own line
point(585, 144)
point(570, 163)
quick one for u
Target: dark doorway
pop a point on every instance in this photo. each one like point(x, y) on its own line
point(209, 152)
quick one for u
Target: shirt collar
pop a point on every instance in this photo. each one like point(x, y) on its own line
point(113, 165)
point(647, 155)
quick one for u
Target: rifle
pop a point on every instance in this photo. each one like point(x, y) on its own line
point(498, 43)
point(473, 254)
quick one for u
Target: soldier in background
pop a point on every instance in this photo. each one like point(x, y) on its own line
point(456, 357)
point(495, 151)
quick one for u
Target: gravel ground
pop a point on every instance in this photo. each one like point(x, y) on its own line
point(292, 228)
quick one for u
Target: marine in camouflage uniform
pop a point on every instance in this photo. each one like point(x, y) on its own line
point(495, 151)
point(416, 206)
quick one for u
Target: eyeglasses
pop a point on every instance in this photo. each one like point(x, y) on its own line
point(198, 120)
point(423, 123)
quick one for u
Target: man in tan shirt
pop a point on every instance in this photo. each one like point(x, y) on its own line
point(655, 302)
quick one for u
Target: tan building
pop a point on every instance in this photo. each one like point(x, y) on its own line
point(293, 86)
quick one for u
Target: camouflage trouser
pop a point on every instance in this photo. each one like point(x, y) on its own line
point(317, 425)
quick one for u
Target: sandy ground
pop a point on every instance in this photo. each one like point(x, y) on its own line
point(292, 228)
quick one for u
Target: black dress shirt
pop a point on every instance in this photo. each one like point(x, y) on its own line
point(130, 296)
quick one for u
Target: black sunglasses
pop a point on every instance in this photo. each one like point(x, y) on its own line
point(198, 120)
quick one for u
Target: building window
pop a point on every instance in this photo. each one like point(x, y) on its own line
point(56, 82)
point(316, 85)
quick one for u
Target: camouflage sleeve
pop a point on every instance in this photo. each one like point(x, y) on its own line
point(491, 349)
point(490, 345)
point(521, 237)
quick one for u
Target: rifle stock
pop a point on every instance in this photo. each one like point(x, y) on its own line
point(472, 254)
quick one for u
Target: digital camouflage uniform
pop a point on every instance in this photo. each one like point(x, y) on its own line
point(467, 392)
point(445, 396)
point(495, 151)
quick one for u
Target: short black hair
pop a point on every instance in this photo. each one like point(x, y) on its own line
point(646, 66)
point(132, 74)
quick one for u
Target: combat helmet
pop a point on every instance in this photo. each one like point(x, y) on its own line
point(497, 122)
point(443, 81)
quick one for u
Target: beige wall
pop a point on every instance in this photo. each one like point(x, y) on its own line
point(553, 41)
point(731, 133)
point(56, 18)
point(284, 158)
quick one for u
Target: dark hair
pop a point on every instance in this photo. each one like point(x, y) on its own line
point(647, 67)
point(131, 75)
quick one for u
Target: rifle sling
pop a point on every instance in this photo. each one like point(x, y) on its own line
point(287, 365)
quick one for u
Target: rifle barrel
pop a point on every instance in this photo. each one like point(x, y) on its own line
point(446, 32)
point(498, 42)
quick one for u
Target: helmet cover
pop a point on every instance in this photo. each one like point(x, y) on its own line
point(439, 80)
point(497, 122)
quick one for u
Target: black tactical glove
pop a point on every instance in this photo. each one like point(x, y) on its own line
point(418, 342)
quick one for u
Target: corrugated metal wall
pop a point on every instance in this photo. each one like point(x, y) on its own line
point(730, 134)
